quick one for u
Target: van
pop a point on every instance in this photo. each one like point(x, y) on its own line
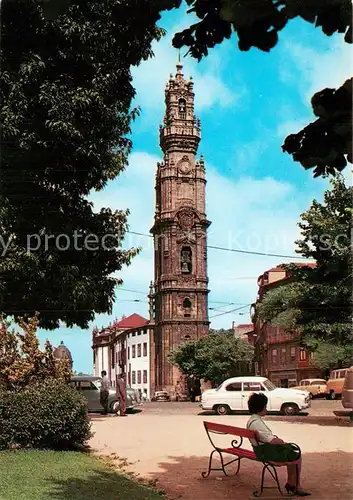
point(335, 383)
point(347, 394)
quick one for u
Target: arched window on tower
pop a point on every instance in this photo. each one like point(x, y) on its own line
point(186, 260)
point(187, 307)
point(182, 108)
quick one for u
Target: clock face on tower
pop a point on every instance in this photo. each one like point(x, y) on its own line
point(184, 165)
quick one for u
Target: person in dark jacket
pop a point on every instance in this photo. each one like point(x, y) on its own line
point(121, 394)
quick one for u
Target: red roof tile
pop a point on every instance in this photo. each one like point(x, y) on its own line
point(299, 264)
point(133, 321)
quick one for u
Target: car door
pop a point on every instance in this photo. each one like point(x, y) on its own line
point(91, 393)
point(248, 389)
point(232, 396)
point(305, 385)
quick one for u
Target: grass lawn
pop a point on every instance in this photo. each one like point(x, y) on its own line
point(49, 475)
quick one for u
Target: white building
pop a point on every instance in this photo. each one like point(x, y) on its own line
point(125, 347)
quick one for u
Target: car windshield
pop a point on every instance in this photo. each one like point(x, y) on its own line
point(269, 385)
point(97, 382)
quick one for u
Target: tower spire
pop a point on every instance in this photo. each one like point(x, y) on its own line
point(179, 66)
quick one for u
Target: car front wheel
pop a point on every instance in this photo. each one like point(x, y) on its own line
point(222, 409)
point(290, 409)
point(115, 406)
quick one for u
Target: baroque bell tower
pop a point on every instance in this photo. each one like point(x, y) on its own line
point(180, 232)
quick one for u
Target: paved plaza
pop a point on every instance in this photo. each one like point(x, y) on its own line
point(167, 443)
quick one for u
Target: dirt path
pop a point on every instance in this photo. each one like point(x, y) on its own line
point(174, 449)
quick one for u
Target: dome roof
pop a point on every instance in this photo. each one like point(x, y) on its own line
point(62, 352)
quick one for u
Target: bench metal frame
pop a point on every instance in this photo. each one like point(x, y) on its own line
point(235, 446)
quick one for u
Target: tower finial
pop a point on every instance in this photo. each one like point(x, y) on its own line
point(179, 66)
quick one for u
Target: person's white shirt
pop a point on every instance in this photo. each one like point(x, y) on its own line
point(105, 384)
point(264, 433)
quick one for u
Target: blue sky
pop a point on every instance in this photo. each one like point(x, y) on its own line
point(248, 103)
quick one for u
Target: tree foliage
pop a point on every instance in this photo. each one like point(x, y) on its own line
point(216, 357)
point(22, 362)
point(66, 93)
point(318, 301)
point(325, 144)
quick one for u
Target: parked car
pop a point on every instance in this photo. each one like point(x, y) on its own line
point(161, 396)
point(347, 396)
point(90, 388)
point(233, 394)
point(335, 383)
point(315, 386)
point(347, 393)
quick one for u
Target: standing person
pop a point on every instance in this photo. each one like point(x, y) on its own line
point(121, 394)
point(104, 392)
point(177, 390)
point(270, 448)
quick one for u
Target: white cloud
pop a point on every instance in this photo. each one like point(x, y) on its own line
point(150, 77)
point(321, 69)
point(251, 214)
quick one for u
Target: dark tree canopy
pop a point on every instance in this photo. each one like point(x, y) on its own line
point(66, 92)
point(325, 144)
point(258, 22)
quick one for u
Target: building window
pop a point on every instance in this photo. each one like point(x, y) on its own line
point(129, 377)
point(274, 356)
point(112, 356)
point(186, 260)
point(133, 351)
point(139, 350)
point(187, 308)
point(145, 348)
point(128, 353)
point(302, 354)
point(292, 354)
point(139, 377)
point(145, 376)
point(134, 377)
point(182, 106)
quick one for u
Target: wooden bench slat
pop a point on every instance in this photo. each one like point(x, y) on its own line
point(229, 429)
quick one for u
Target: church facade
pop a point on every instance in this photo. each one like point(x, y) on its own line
point(180, 232)
point(178, 296)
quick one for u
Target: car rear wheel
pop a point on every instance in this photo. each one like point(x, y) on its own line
point(114, 407)
point(290, 409)
point(222, 409)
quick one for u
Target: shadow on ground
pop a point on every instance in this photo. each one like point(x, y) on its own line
point(100, 485)
point(328, 476)
point(304, 418)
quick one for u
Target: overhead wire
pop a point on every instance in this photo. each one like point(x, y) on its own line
point(237, 250)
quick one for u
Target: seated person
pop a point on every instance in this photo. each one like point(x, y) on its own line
point(270, 448)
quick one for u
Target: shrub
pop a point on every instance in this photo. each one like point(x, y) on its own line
point(48, 415)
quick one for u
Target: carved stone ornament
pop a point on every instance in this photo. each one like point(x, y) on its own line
point(186, 219)
point(187, 330)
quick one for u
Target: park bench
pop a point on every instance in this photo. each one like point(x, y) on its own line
point(240, 453)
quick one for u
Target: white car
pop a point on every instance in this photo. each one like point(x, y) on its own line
point(233, 394)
